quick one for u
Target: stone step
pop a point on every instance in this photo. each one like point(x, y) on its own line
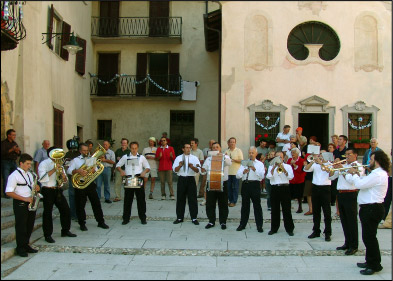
point(6, 212)
point(8, 222)
point(6, 202)
point(9, 235)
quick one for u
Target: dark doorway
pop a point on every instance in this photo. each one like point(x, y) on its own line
point(109, 18)
point(182, 129)
point(158, 69)
point(315, 124)
point(107, 69)
point(159, 18)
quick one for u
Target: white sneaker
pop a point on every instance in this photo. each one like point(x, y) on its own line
point(172, 197)
point(163, 198)
point(203, 203)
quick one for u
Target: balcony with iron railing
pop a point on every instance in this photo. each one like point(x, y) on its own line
point(12, 28)
point(120, 87)
point(145, 29)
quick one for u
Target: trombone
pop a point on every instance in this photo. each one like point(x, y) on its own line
point(342, 171)
point(328, 168)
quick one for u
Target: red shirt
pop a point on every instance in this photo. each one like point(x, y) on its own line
point(166, 160)
point(299, 174)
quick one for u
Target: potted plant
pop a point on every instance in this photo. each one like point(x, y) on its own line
point(361, 143)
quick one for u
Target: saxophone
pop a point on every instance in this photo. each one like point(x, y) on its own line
point(57, 156)
point(81, 182)
point(36, 196)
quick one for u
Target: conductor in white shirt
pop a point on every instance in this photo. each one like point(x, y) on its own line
point(186, 166)
point(372, 191)
point(251, 178)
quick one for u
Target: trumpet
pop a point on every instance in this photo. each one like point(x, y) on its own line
point(328, 168)
point(342, 171)
point(313, 157)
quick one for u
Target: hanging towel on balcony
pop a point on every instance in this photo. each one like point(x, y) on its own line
point(189, 90)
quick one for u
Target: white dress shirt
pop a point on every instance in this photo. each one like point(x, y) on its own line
point(227, 163)
point(186, 171)
point(342, 183)
point(43, 169)
point(319, 177)
point(110, 155)
point(26, 183)
point(283, 136)
point(258, 175)
point(76, 163)
point(277, 178)
point(372, 188)
point(133, 170)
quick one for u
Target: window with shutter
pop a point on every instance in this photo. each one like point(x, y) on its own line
point(58, 128)
point(104, 129)
point(141, 71)
point(50, 26)
point(80, 61)
point(66, 30)
point(174, 72)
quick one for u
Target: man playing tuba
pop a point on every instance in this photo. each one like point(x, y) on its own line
point(89, 191)
point(52, 177)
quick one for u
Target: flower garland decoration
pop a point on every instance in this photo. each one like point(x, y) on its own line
point(360, 127)
point(270, 127)
point(117, 76)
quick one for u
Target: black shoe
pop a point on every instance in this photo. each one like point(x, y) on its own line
point(350, 252)
point(103, 225)
point(31, 250)
point(367, 271)
point(290, 233)
point(260, 229)
point(22, 254)
point(195, 221)
point(327, 238)
point(143, 222)
point(362, 264)
point(209, 225)
point(125, 222)
point(314, 235)
point(68, 234)
point(342, 248)
point(271, 232)
point(49, 239)
point(108, 201)
point(83, 227)
point(223, 226)
point(177, 221)
point(240, 228)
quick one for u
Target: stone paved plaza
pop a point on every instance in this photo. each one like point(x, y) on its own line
point(162, 250)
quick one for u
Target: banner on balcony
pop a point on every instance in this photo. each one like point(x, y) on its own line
point(117, 76)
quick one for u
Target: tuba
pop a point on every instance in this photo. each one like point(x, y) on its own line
point(36, 196)
point(57, 156)
point(81, 182)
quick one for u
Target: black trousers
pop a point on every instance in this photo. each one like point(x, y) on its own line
point(321, 196)
point(54, 196)
point(24, 224)
point(251, 191)
point(186, 189)
point(370, 216)
point(348, 207)
point(140, 200)
point(333, 192)
point(222, 197)
point(281, 195)
point(81, 196)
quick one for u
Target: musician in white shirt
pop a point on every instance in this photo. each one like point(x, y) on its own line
point(372, 191)
point(347, 203)
point(186, 166)
point(53, 195)
point(213, 196)
point(140, 170)
point(321, 197)
point(251, 179)
point(19, 186)
point(280, 194)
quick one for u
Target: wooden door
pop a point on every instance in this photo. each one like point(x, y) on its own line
point(182, 128)
point(109, 19)
point(108, 67)
point(159, 18)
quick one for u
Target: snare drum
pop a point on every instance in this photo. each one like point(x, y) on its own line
point(132, 182)
point(215, 176)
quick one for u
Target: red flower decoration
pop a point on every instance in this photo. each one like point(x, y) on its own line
point(265, 135)
point(360, 138)
point(259, 136)
point(256, 138)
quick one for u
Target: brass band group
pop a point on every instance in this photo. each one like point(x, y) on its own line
point(220, 171)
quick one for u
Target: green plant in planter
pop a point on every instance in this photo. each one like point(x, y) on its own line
point(360, 141)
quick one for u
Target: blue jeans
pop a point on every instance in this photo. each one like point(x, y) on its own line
point(233, 189)
point(104, 177)
point(268, 190)
point(7, 167)
point(71, 198)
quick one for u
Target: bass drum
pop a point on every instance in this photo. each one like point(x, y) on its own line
point(132, 182)
point(215, 176)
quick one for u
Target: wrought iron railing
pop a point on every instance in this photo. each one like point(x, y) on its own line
point(136, 86)
point(11, 20)
point(136, 27)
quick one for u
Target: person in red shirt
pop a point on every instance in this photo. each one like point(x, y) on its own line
point(165, 155)
point(297, 183)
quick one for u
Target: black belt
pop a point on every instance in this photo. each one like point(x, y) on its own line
point(248, 181)
point(138, 175)
point(283, 184)
point(370, 205)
